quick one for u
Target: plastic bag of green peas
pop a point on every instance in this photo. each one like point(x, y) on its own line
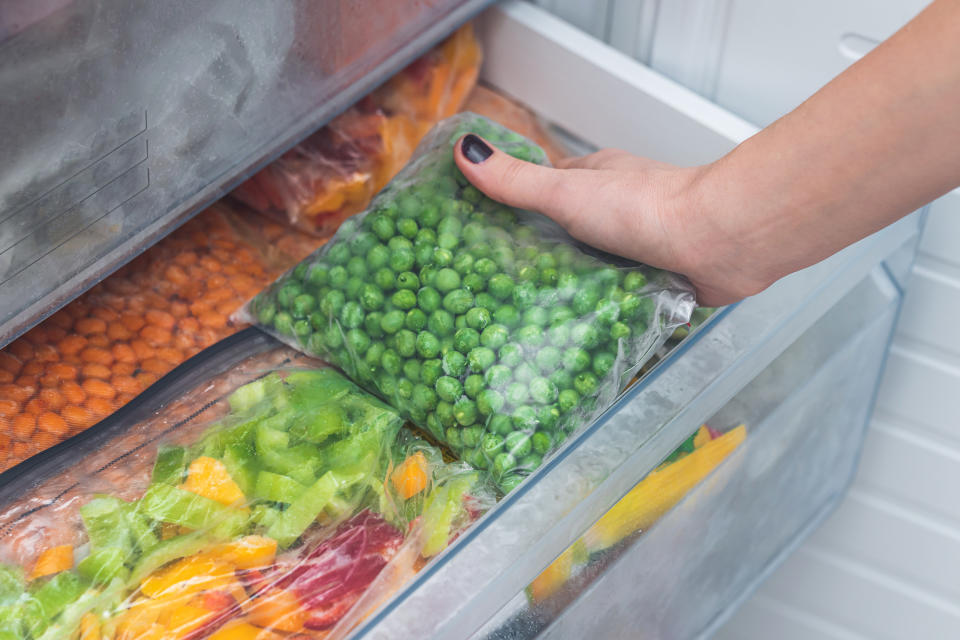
point(488, 326)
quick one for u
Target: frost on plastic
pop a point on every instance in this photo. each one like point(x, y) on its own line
point(334, 173)
point(265, 502)
point(486, 325)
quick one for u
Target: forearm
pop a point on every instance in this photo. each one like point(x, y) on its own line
point(880, 140)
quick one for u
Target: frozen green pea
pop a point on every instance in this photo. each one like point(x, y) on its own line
point(450, 224)
point(548, 416)
point(428, 299)
point(529, 462)
point(371, 324)
point(404, 389)
point(444, 413)
point(511, 354)
point(402, 259)
point(466, 339)
point(428, 346)
point(404, 299)
point(338, 254)
point(463, 263)
point(503, 256)
point(440, 322)
point(473, 385)
point(536, 316)
point(423, 255)
point(607, 311)
point(371, 297)
point(489, 401)
point(561, 314)
point(411, 369)
point(383, 226)
point(478, 318)
point(453, 435)
point(465, 412)
point(458, 301)
point(315, 343)
point(474, 283)
point(299, 271)
point(449, 388)
point(471, 436)
point(485, 300)
point(433, 424)
point(399, 243)
point(430, 371)
point(527, 273)
point(424, 398)
point(542, 390)
point(454, 363)
point(339, 276)
point(352, 315)
point(408, 280)
point(332, 337)
point(491, 445)
point(377, 257)
point(494, 336)
point(524, 372)
point(567, 400)
point(501, 286)
point(562, 378)
point(585, 300)
point(485, 267)
point(442, 257)
point(387, 384)
point(357, 266)
point(408, 227)
point(318, 275)
point(318, 320)
point(567, 285)
point(634, 281)
point(446, 280)
point(525, 418)
point(407, 205)
point(374, 353)
point(429, 216)
point(415, 320)
point(565, 255)
point(510, 481)
point(266, 312)
point(303, 305)
point(576, 359)
point(287, 294)
point(392, 321)
point(302, 328)
point(406, 343)
point(524, 295)
point(481, 358)
point(518, 443)
point(603, 363)
point(585, 335)
point(427, 275)
point(447, 241)
point(558, 335)
point(516, 393)
point(503, 463)
point(546, 261)
point(619, 330)
point(384, 278)
point(585, 383)
point(471, 194)
point(425, 237)
point(507, 315)
point(353, 287)
point(497, 376)
point(500, 424)
point(530, 335)
point(481, 250)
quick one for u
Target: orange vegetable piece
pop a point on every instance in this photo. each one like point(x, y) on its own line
point(99, 340)
point(99, 389)
point(183, 620)
point(21, 349)
point(52, 399)
point(213, 320)
point(77, 416)
point(142, 349)
point(248, 552)
point(238, 631)
point(89, 326)
point(32, 368)
point(73, 392)
point(9, 362)
point(53, 560)
point(94, 370)
point(278, 610)
point(34, 407)
point(104, 313)
point(208, 477)
point(46, 353)
point(52, 423)
point(122, 352)
point(97, 355)
point(410, 478)
point(9, 407)
point(89, 627)
point(99, 407)
point(64, 371)
point(155, 336)
point(156, 365)
point(132, 321)
point(161, 319)
point(5, 376)
point(118, 331)
point(24, 426)
point(125, 384)
point(187, 576)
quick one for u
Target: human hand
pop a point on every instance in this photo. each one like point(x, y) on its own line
point(634, 207)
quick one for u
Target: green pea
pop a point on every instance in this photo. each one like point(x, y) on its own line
point(489, 401)
point(524, 295)
point(339, 277)
point(440, 323)
point(351, 316)
point(404, 299)
point(399, 243)
point(446, 280)
point(408, 280)
point(485, 267)
point(429, 216)
point(383, 226)
point(453, 436)
point(318, 320)
point(541, 442)
point(387, 385)
point(428, 346)
point(473, 385)
point(474, 283)
point(548, 359)
point(332, 337)
point(527, 273)
point(481, 358)
point(428, 299)
point(377, 257)
point(607, 311)
point(561, 314)
point(408, 227)
point(603, 363)
point(288, 294)
point(501, 286)
point(503, 463)
point(529, 462)
point(525, 418)
point(585, 335)
point(567, 400)
point(463, 263)
point(536, 316)
point(425, 237)
point(485, 300)
point(384, 278)
point(491, 445)
point(433, 424)
point(318, 275)
point(576, 359)
point(458, 301)
point(445, 415)
point(530, 335)
point(567, 285)
point(503, 256)
point(562, 378)
point(543, 391)
point(303, 305)
point(424, 398)
point(497, 376)
point(338, 254)
point(430, 371)
point(299, 271)
point(473, 233)
point(427, 275)
point(494, 336)
point(509, 482)
point(524, 372)
point(411, 369)
point(402, 259)
point(266, 312)
point(516, 393)
point(392, 321)
point(559, 334)
point(358, 340)
point(465, 412)
point(371, 297)
point(404, 389)
point(442, 257)
point(302, 328)
point(460, 322)
point(357, 266)
point(449, 388)
point(500, 424)
point(585, 383)
point(406, 343)
point(415, 320)
point(511, 354)
point(478, 318)
point(619, 330)
point(585, 300)
point(451, 225)
point(466, 339)
point(471, 437)
point(454, 363)
point(518, 443)
point(353, 287)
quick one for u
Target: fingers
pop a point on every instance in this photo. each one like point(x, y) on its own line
point(557, 193)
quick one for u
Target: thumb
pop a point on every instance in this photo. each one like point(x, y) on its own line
point(520, 184)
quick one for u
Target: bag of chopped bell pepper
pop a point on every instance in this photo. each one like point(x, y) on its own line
point(102, 349)
point(252, 494)
point(336, 171)
point(486, 325)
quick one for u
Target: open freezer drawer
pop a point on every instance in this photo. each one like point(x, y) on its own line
point(607, 99)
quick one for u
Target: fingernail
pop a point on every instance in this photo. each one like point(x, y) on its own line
point(474, 149)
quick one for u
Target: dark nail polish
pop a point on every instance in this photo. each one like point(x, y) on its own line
point(474, 149)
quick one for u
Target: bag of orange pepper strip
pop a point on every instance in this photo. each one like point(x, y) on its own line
point(114, 341)
point(335, 172)
point(280, 499)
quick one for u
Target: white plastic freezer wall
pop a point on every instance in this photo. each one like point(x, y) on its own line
point(886, 564)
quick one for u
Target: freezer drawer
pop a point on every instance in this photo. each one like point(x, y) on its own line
point(605, 98)
point(805, 414)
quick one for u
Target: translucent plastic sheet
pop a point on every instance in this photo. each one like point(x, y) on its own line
point(335, 172)
point(273, 499)
point(111, 343)
point(488, 326)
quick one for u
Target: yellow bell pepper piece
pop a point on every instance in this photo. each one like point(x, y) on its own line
point(660, 491)
point(148, 632)
point(410, 477)
point(189, 575)
point(556, 575)
point(89, 627)
point(208, 477)
point(238, 631)
point(183, 620)
point(278, 610)
point(702, 437)
point(248, 552)
point(53, 560)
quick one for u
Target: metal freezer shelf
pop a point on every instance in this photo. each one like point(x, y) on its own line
point(120, 119)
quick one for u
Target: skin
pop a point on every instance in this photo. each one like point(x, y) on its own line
point(877, 142)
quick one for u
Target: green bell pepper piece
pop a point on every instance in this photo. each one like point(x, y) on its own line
point(56, 593)
point(170, 504)
point(292, 522)
point(170, 550)
point(269, 387)
point(106, 522)
point(170, 465)
point(240, 461)
point(440, 510)
point(277, 488)
point(104, 565)
point(12, 584)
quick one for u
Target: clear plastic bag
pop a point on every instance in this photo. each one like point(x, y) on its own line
point(488, 326)
point(336, 171)
point(265, 497)
point(101, 350)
